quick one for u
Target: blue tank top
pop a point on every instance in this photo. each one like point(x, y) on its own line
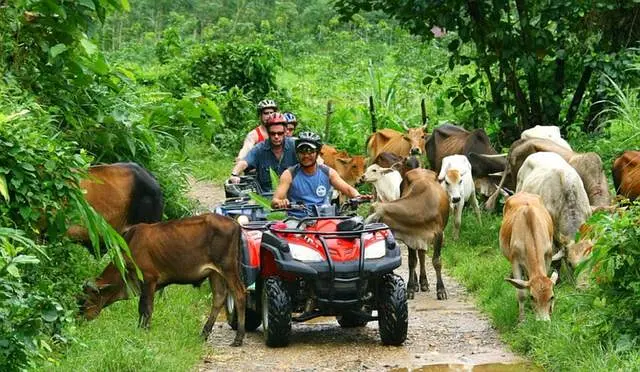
point(310, 189)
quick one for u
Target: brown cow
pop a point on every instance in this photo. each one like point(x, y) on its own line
point(626, 174)
point(448, 139)
point(526, 239)
point(402, 144)
point(183, 251)
point(588, 165)
point(349, 167)
point(124, 194)
point(418, 218)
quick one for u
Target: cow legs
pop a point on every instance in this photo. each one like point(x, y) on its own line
point(437, 265)
point(145, 305)
point(219, 289)
point(476, 206)
point(412, 283)
point(521, 293)
point(457, 219)
point(424, 283)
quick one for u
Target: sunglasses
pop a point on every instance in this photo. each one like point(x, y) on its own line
point(276, 134)
point(306, 150)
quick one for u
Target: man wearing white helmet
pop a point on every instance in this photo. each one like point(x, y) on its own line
point(266, 107)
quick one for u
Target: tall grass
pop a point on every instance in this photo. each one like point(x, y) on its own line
point(113, 342)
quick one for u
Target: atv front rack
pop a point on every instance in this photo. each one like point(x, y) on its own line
point(343, 278)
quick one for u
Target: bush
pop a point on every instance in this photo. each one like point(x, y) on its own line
point(616, 269)
point(250, 67)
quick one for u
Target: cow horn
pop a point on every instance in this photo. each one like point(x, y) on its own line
point(558, 256)
point(90, 284)
point(492, 156)
point(405, 127)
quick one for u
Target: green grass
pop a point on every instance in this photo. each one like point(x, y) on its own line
point(113, 342)
point(203, 161)
point(570, 342)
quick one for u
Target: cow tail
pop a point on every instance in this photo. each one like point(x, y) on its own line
point(147, 201)
point(236, 241)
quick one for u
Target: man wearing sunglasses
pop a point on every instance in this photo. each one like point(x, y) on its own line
point(277, 153)
point(308, 182)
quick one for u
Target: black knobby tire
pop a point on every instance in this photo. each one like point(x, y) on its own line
point(393, 310)
point(252, 318)
point(276, 313)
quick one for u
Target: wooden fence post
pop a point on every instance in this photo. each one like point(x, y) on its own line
point(424, 113)
point(372, 111)
point(327, 121)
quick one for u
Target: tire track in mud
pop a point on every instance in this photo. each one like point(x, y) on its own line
point(442, 335)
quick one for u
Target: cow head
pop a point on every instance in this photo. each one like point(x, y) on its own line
point(100, 294)
point(351, 169)
point(541, 290)
point(373, 173)
point(451, 181)
point(416, 138)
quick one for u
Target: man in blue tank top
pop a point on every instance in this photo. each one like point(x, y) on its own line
point(308, 182)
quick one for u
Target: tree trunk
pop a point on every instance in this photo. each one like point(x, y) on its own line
point(577, 96)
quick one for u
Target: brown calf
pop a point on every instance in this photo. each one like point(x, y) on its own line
point(186, 251)
point(526, 239)
point(626, 174)
point(124, 194)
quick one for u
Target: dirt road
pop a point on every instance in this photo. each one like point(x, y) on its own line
point(443, 335)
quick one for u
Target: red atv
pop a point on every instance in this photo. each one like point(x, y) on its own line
point(300, 269)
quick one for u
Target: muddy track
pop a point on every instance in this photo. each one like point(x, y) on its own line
point(451, 334)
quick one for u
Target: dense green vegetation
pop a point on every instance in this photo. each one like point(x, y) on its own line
point(172, 85)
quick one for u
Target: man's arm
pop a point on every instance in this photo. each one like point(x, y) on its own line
point(249, 142)
point(279, 199)
point(241, 165)
point(341, 185)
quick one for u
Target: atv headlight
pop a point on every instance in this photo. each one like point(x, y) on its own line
point(375, 250)
point(305, 254)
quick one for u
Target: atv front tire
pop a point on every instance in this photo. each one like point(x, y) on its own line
point(276, 313)
point(393, 310)
point(252, 318)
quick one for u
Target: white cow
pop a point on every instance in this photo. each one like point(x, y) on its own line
point(386, 181)
point(455, 178)
point(550, 132)
point(547, 174)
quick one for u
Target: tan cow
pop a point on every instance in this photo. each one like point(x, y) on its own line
point(526, 239)
point(588, 165)
point(626, 174)
point(558, 184)
point(418, 219)
point(402, 144)
point(186, 251)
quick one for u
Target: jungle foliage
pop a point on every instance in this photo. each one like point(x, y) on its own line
point(172, 85)
point(535, 60)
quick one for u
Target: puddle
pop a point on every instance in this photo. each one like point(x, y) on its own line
point(489, 367)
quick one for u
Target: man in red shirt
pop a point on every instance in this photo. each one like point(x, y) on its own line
point(265, 109)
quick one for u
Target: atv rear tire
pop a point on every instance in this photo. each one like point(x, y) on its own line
point(252, 318)
point(393, 310)
point(276, 313)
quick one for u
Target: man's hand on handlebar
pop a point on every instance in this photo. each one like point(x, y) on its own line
point(234, 179)
point(280, 203)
